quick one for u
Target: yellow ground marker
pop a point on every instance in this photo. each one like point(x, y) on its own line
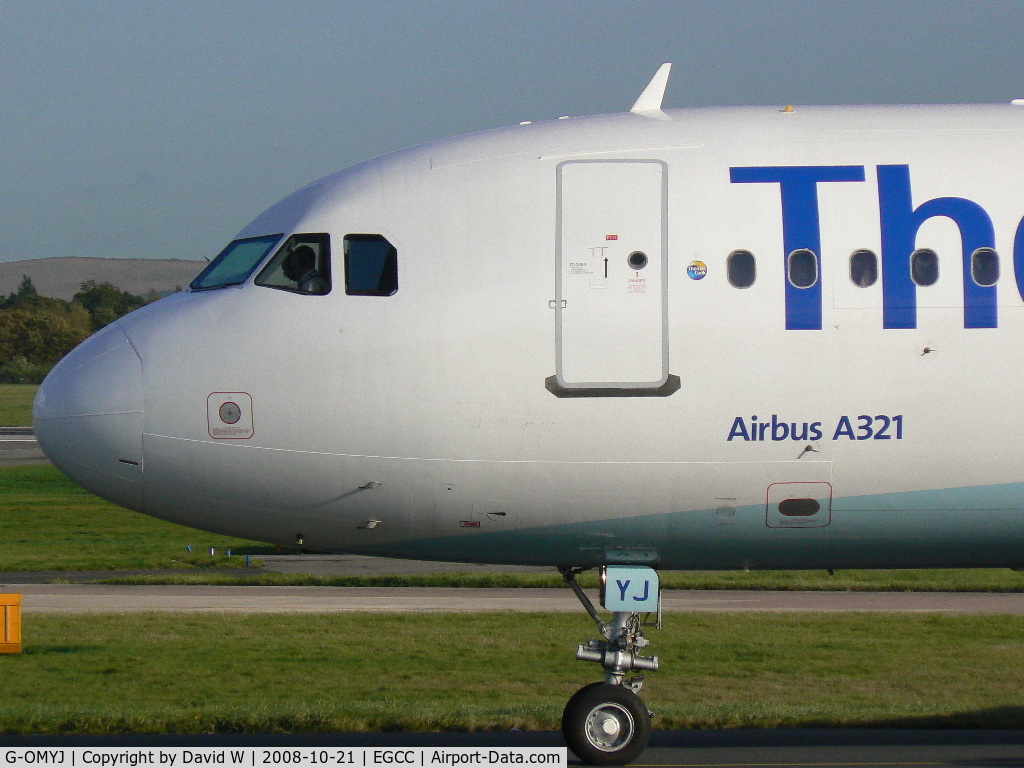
point(10, 623)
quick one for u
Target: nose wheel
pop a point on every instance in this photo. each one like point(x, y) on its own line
point(606, 724)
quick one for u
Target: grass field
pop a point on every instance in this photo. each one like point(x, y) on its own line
point(16, 404)
point(952, 580)
point(47, 523)
point(201, 673)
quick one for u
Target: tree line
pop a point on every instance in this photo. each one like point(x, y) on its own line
point(37, 331)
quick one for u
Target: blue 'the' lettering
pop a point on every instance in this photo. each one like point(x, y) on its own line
point(900, 224)
point(800, 225)
point(1018, 258)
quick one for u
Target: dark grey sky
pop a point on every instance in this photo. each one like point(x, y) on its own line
point(158, 129)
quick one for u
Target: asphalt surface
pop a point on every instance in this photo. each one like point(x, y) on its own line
point(98, 598)
point(361, 565)
point(18, 447)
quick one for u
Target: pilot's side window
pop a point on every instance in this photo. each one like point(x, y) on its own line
point(371, 266)
point(985, 267)
point(924, 267)
point(863, 268)
point(741, 269)
point(302, 265)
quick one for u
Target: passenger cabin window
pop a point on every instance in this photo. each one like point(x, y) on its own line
point(803, 268)
point(924, 267)
point(371, 266)
point(235, 263)
point(302, 265)
point(863, 268)
point(741, 269)
point(985, 267)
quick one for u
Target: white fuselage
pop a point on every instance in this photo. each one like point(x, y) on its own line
point(520, 399)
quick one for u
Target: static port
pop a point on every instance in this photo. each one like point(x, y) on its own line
point(230, 413)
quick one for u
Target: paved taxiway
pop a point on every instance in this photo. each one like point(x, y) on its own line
point(96, 598)
point(18, 447)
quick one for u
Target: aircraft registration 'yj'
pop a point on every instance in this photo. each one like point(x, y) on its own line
point(715, 338)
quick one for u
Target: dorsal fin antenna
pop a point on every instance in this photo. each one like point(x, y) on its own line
point(649, 103)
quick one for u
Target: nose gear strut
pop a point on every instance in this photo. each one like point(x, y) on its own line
point(607, 723)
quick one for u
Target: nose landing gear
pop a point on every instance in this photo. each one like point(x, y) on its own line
point(608, 723)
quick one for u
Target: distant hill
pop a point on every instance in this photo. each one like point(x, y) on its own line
point(62, 277)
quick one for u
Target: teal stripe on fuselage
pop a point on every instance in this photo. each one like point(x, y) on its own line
point(945, 528)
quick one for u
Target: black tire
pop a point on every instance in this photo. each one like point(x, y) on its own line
point(606, 724)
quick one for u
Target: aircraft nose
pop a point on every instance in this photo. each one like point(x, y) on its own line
point(88, 416)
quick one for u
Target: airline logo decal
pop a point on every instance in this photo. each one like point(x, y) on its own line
point(697, 270)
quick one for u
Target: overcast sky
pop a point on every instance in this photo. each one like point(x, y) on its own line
point(158, 129)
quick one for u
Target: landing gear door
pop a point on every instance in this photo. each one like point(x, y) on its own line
point(611, 305)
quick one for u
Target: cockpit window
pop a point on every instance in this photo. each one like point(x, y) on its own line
point(302, 265)
point(235, 263)
point(371, 266)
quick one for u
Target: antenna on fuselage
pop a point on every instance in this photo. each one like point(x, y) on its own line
point(649, 103)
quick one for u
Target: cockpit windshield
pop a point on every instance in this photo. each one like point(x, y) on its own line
point(235, 263)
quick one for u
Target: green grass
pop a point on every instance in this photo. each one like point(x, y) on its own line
point(926, 580)
point(16, 404)
point(191, 673)
point(47, 523)
point(952, 580)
